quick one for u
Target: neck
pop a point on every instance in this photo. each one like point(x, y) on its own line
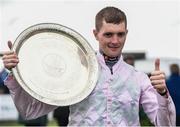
point(109, 58)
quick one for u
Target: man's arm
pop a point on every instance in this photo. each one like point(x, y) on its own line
point(155, 99)
point(28, 107)
point(159, 109)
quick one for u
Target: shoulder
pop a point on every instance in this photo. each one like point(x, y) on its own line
point(140, 77)
point(134, 71)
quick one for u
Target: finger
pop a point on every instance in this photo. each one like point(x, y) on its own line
point(7, 61)
point(10, 44)
point(7, 52)
point(159, 87)
point(10, 65)
point(10, 56)
point(154, 73)
point(158, 82)
point(157, 64)
point(157, 77)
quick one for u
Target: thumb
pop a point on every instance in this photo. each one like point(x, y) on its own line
point(10, 44)
point(157, 64)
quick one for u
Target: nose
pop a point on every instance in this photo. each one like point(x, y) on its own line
point(115, 39)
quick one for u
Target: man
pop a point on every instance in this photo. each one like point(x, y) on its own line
point(129, 59)
point(173, 84)
point(3, 88)
point(119, 90)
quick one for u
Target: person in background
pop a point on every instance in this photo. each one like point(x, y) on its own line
point(1, 81)
point(129, 59)
point(120, 88)
point(3, 88)
point(61, 115)
point(173, 85)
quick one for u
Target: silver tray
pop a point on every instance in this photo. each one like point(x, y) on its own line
point(57, 65)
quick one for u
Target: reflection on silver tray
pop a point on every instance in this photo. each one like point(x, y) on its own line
point(57, 65)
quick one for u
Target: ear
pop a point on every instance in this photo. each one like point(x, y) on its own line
point(126, 31)
point(95, 32)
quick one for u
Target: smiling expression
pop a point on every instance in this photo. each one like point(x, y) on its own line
point(111, 38)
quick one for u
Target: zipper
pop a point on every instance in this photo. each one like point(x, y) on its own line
point(111, 70)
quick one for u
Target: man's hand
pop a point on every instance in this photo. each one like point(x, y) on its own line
point(10, 59)
point(158, 78)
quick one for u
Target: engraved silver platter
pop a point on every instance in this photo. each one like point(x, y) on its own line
point(56, 64)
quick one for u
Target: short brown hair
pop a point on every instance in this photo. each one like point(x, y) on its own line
point(110, 15)
point(174, 68)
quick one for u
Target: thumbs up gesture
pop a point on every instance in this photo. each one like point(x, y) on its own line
point(158, 79)
point(10, 59)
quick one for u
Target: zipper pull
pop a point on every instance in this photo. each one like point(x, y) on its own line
point(111, 71)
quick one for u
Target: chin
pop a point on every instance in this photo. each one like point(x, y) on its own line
point(114, 55)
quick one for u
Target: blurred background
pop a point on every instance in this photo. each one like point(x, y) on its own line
point(154, 29)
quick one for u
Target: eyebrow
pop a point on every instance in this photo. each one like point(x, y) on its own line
point(111, 33)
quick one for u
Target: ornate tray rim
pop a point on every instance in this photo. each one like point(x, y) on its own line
point(75, 35)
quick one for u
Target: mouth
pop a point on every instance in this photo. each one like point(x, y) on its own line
point(113, 46)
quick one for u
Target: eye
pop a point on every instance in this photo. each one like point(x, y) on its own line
point(108, 34)
point(121, 34)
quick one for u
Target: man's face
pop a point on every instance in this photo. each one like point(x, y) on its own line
point(111, 38)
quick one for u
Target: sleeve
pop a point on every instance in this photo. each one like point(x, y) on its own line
point(159, 109)
point(4, 74)
point(28, 107)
